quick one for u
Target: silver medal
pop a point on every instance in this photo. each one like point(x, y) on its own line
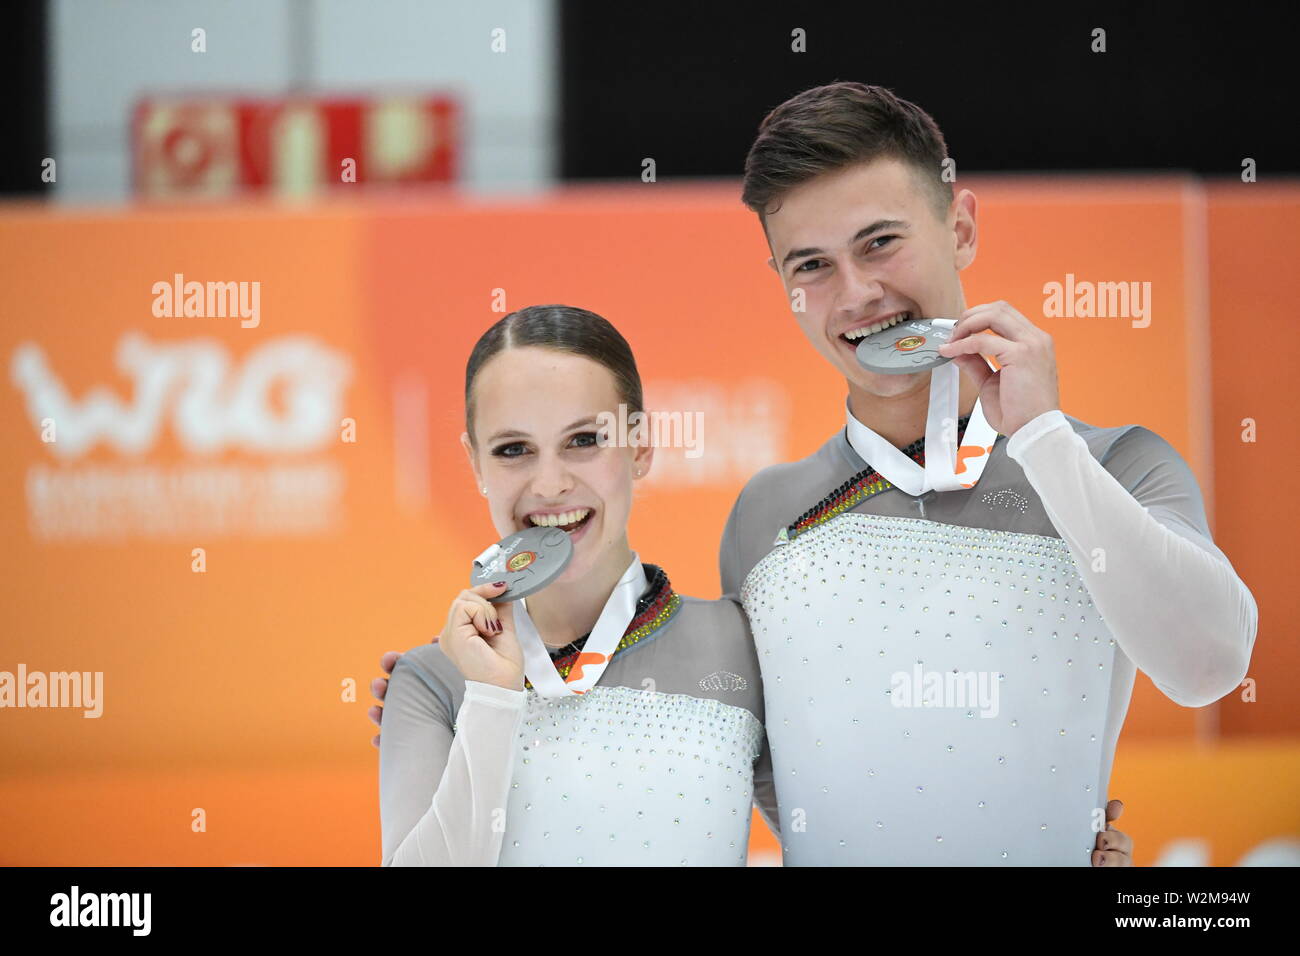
point(527, 561)
point(911, 346)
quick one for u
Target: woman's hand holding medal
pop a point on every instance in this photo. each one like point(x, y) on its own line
point(480, 638)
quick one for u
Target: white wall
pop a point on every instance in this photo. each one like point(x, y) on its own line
point(106, 54)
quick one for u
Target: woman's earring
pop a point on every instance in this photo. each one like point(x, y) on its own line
point(483, 490)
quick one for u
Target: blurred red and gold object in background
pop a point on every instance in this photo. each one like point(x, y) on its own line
point(215, 146)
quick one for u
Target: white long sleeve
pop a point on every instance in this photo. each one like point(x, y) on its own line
point(1171, 598)
point(443, 796)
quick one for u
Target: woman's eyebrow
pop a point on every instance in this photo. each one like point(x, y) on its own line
point(515, 433)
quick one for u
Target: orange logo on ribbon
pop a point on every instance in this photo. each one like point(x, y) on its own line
point(584, 658)
point(969, 451)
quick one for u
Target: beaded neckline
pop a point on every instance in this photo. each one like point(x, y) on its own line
point(857, 489)
point(653, 610)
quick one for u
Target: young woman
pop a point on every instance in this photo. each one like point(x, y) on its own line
point(649, 749)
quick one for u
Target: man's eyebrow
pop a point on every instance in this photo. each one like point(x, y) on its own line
point(876, 226)
point(515, 433)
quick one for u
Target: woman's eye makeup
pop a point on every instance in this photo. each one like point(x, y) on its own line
point(517, 449)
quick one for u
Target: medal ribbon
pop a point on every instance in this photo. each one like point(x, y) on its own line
point(595, 655)
point(947, 468)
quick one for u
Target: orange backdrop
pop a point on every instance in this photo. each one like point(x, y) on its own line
point(314, 460)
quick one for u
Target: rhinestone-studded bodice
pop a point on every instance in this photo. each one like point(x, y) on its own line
point(621, 776)
point(936, 694)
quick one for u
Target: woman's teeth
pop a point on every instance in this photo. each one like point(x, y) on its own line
point(854, 334)
point(567, 517)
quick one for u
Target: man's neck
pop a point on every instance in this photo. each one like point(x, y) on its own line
point(900, 419)
point(564, 612)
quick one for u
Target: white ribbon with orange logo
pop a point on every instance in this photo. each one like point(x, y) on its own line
point(947, 468)
point(595, 654)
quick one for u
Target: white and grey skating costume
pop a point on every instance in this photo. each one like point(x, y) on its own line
point(946, 674)
point(653, 765)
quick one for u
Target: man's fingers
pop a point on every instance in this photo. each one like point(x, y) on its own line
point(375, 740)
point(376, 714)
point(1109, 858)
point(1113, 809)
point(1112, 839)
point(982, 343)
point(389, 661)
point(379, 687)
point(975, 367)
point(1004, 321)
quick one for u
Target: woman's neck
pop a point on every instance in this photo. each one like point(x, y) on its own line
point(565, 611)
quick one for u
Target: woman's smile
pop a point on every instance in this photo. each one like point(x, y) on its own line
point(572, 521)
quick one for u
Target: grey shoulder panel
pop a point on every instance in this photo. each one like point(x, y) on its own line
point(1101, 439)
point(704, 651)
point(779, 493)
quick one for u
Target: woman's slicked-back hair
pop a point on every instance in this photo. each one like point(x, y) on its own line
point(563, 328)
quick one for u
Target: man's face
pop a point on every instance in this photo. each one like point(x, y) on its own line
point(865, 246)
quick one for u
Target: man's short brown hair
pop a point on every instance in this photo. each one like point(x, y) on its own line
point(842, 124)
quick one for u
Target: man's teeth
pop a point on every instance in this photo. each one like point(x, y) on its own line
point(568, 517)
point(855, 334)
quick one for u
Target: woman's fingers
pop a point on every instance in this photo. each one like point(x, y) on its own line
point(487, 619)
point(506, 615)
point(479, 638)
point(485, 591)
point(471, 614)
point(496, 589)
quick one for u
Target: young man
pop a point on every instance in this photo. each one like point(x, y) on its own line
point(948, 651)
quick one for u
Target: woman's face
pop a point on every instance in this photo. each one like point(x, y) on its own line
point(536, 425)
